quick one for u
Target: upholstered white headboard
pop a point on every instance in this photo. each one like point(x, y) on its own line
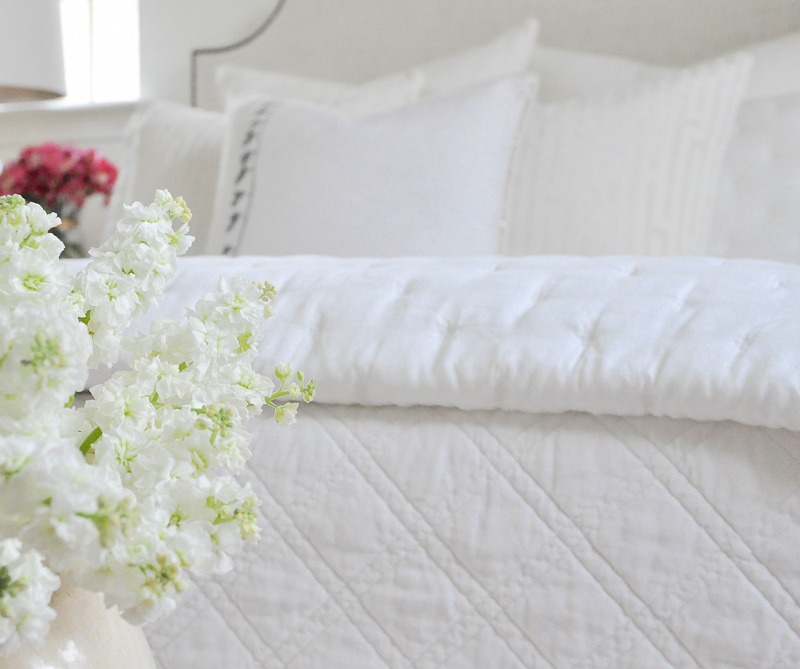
point(355, 40)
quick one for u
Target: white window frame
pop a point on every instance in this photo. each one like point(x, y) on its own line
point(101, 50)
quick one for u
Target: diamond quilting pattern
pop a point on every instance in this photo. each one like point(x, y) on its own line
point(428, 537)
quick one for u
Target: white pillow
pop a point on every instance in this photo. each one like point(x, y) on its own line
point(379, 95)
point(565, 75)
point(176, 147)
point(428, 179)
point(776, 67)
point(632, 173)
point(504, 56)
point(757, 212)
point(508, 54)
point(171, 146)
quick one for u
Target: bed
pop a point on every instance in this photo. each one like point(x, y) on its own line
point(528, 449)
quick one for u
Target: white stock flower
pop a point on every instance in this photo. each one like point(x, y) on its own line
point(26, 587)
point(135, 489)
point(286, 414)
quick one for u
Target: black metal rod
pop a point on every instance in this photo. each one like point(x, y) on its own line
point(232, 47)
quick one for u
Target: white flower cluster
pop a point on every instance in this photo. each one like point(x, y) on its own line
point(129, 492)
point(26, 586)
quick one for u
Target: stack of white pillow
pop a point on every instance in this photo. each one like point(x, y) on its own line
point(503, 148)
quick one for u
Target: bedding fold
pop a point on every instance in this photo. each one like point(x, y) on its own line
point(696, 338)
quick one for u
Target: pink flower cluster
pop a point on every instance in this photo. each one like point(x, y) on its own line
point(55, 175)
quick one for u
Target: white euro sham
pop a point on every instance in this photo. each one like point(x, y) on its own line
point(428, 179)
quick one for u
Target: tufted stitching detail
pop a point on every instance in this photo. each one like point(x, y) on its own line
point(731, 544)
point(438, 551)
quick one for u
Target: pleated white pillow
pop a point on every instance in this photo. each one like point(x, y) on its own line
point(628, 173)
point(428, 179)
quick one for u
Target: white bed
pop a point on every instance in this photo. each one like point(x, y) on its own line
point(539, 461)
point(528, 462)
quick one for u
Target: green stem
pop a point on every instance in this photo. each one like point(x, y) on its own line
point(94, 435)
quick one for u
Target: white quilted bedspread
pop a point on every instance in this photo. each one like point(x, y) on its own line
point(430, 538)
point(533, 462)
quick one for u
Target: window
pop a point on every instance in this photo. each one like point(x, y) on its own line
point(101, 50)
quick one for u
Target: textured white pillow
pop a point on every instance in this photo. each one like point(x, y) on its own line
point(171, 146)
point(428, 179)
point(757, 213)
point(379, 95)
point(633, 173)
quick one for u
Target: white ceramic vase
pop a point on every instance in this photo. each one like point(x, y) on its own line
point(85, 635)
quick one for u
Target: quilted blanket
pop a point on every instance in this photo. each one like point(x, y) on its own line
point(533, 462)
point(700, 338)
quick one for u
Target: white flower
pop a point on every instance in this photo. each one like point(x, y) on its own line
point(286, 414)
point(283, 371)
point(135, 489)
point(26, 587)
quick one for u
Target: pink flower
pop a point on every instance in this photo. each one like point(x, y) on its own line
point(55, 174)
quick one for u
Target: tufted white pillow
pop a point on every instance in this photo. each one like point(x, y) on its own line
point(428, 179)
point(628, 173)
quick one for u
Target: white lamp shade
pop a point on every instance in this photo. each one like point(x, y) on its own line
point(31, 51)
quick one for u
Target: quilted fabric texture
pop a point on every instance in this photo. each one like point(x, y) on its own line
point(623, 516)
point(427, 537)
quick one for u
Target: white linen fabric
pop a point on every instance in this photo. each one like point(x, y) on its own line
point(634, 172)
point(380, 95)
point(428, 179)
point(526, 508)
point(758, 199)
